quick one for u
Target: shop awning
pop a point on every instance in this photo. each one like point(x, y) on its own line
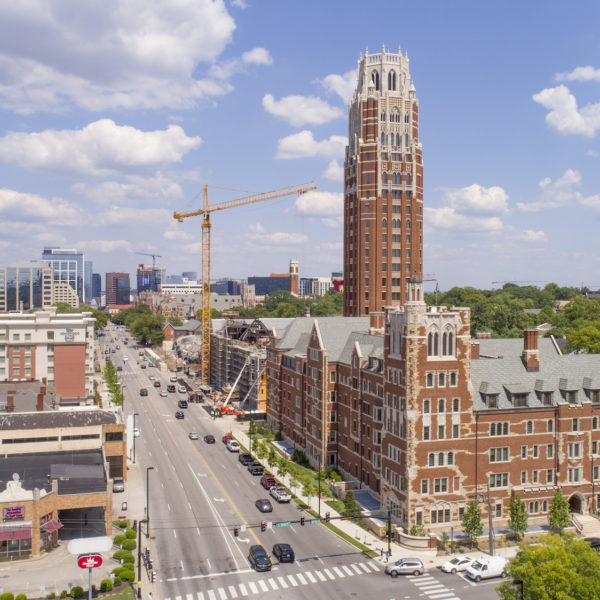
point(51, 525)
point(15, 533)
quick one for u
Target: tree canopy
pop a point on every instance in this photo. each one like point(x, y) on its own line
point(143, 325)
point(101, 317)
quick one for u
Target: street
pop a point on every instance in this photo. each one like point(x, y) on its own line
point(199, 492)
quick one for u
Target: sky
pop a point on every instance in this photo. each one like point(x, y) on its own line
point(115, 114)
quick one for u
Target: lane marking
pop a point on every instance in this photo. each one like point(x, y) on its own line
point(263, 585)
point(212, 595)
point(356, 568)
point(348, 570)
point(253, 587)
point(200, 595)
point(320, 576)
point(338, 572)
point(292, 580)
point(222, 593)
point(174, 533)
point(273, 584)
point(301, 578)
point(243, 589)
point(282, 582)
point(181, 563)
point(329, 574)
point(232, 591)
point(311, 577)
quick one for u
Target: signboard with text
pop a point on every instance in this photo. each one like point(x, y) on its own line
point(89, 561)
point(13, 512)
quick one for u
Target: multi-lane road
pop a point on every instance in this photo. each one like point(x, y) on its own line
point(200, 492)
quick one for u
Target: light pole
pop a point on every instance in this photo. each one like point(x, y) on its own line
point(123, 400)
point(134, 416)
point(148, 469)
point(519, 582)
point(319, 485)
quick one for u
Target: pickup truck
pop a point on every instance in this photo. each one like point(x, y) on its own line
point(280, 493)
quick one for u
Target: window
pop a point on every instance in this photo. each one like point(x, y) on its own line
point(431, 459)
point(424, 486)
point(456, 405)
point(429, 380)
point(535, 476)
point(426, 432)
point(455, 431)
point(549, 476)
point(498, 480)
point(575, 424)
point(440, 459)
point(574, 449)
point(550, 426)
point(523, 451)
point(536, 451)
point(529, 426)
point(441, 379)
point(594, 422)
point(441, 432)
point(16, 337)
point(499, 454)
point(549, 451)
point(574, 474)
point(523, 476)
point(426, 406)
point(441, 515)
point(50, 335)
point(453, 378)
point(27, 337)
point(440, 485)
point(332, 376)
point(441, 405)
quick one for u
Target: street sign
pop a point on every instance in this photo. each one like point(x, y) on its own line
point(89, 561)
point(314, 521)
point(283, 524)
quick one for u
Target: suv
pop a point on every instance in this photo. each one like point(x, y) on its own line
point(259, 558)
point(245, 459)
point(267, 481)
point(143, 392)
point(233, 446)
point(182, 404)
point(171, 388)
point(255, 468)
point(405, 566)
point(118, 484)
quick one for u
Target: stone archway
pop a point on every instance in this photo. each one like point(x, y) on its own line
point(577, 503)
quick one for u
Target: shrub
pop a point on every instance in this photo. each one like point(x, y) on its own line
point(7, 596)
point(417, 531)
point(300, 458)
point(130, 534)
point(129, 545)
point(106, 585)
point(119, 539)
point(278, 436)
point(77, 592)
point(334, 475)
point(117, 580)
point(124, 555)
point(124, 524)
point(127, 575)
point(63, 594)
point(21, 597)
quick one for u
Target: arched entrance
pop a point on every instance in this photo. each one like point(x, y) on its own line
point(577, 504)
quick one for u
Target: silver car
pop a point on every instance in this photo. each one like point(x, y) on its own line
point(405, 566)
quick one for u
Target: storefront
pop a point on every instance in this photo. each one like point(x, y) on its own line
point(15, 534)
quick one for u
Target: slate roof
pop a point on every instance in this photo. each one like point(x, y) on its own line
point(499, 370)
point(188, 326)
point(51, 419)
point(370, 346)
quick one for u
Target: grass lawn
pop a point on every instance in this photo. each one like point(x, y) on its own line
point(125, 594)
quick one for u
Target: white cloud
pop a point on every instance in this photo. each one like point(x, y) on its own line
point(334, 171)
point(447, 217)
point(555, 193)
point(303, 145)
point(105, 246)
point(194, 248)
point(565, 116)
point(342, 85)
point(278, 238)
point(175, 233)
point(122, 215)
point(258, 56)
point(301, 110)
point(256, 228)
point(580, 74)
point(478, 199)
point(320, 204)
point(31, 207)
point(528, 235)
point(239, 3)
point(100, 148)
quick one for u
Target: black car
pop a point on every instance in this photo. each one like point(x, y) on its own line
point(283, 553)
point(255, 468)
point(259, 558)
point(264, 505)
point(245, 459)
point(182, 404)
point(171, 388)
point(179, 415)
point(143, 366)
point(143, 392)
point(209, 439)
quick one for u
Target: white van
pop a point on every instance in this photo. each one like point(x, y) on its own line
point(485, 568)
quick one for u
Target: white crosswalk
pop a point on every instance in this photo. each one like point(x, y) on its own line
point(280, 582)
point(432, 588)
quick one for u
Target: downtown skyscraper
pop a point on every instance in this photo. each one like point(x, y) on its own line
point(383, 186)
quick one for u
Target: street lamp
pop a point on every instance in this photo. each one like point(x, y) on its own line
point(134, 416)
point(123, 399)
point(148, 469)
point(319, 485)
point(519, 582)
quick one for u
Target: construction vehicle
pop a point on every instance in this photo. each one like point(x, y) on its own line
point(205, 211)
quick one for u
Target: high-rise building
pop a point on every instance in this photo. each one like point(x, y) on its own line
point(294, 287)
point(383, 186)
point(149, 278)
point(96, 286)
point(26, 286)
point(117, 289)
point(71, 268)
point(191, 275)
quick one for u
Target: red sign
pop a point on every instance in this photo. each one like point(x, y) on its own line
point(89, 561)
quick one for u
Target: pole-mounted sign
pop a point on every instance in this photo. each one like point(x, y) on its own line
point(89, 561)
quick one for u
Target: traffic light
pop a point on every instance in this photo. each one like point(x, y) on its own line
point(326, 517)
point(236, 531)
point(263, 526)
point(302, 521)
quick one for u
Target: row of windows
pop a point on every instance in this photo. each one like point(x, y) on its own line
point(440, 485)
point(501, 480)
point(440, 459)
point(441, 405)
point(447, 345)
point(430, 379)
point(394, 139)
point(395, 178)
point(396, 223)
point(441, 432)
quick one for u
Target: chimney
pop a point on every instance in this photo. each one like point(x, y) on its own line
point(377, 322)
point(531, 353)
point(307, 311)
point(483, 335)
point(474, 349)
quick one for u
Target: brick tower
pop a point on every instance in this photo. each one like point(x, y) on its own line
point(383, 186)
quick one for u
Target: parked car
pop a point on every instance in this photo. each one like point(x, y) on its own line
point(209, 439)
point(485, 568)
point(405, 566)
point(151, 377)
point(171, 389)
point(233, 446)
point(173, 378)
point(259, 559)
point(193, 435)
point(267, 481)
point(118, 484)
point(283, 553)
point(125, 358)
point(255, 468)
point(226, 438)
point(458, 563)
point(280, 493)
point(264, 505)
point(143, 392)
point(143, 366)
point(119, 368)
point(136, 432)
point(179, 415)
point(245, 459)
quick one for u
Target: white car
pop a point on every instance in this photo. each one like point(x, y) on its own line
point(163, 394)
point(182, 389)
point(173, 378)
point(458, 563)
point(125, 358)
point(280, 493)
point(233, 446)
point(136, 432)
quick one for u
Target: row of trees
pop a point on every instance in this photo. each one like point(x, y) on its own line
point(101, 317)
point(146, 327)
point(112, 382)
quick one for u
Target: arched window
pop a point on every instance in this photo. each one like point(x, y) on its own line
point(383, 116)
point(408, 179)
point(445, 344)
point(441, 405)
point(397, 139)
point(382, 138)
point(436, 344)
point(426, 406)
point(407, 223)
point(450, 458)
point(429, 344)
point(375, 79)
point(384, 176)
point(431, 459)
point(391, 80)
point(441, 459)
point(395, 223)
point(406, 140)
point(384, 223)
point(450, 343)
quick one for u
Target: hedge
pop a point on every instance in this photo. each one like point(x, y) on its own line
point(7, 596)
point(130, 534)
point(77, 592)
point(129, 545)
point(106, 585)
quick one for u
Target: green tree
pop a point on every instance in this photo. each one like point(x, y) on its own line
point(308, 490)
point(351, 506)
point(272, 458)
point(175, 321)
point(554, 568)
point(586, 339)
point(471, 521)
point(282, 467)
point(559, 516)
point(517, 521)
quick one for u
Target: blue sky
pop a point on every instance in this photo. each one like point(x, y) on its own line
point(112, 115)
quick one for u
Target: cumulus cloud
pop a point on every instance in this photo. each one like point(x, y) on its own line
point(304, 145)
point(580, 74)
point(301, 110)
point(257, 56)
point(121, 54)
point(105, 246)
point(278, 238)
point(528, 235)
point(31, 207)
point(342, 85)
point(122, 215)
point(100, 148)
point(447, 217)
point(565, 116)
point(239, 3)
point(476, 198)
point(175, 233)
point(334, 171)
point(320, 204)
point(555, 193)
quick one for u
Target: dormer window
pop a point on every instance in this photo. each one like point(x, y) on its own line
point(545, 398)
point(570, 396)
point(491, 400)
point(519, 400)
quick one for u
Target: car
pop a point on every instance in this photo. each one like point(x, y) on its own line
point(209, 439)
point(125, 358)
point(163, 394)
point(143, 392)
point(259, 559)
point(171, 389)
point(245, 459)
point(143, 366)
point(182, 389)
point(157, 384)
point(267, 481)
point(283, 553)
point(193, 435)
point(485, 568)
point(113, 351)
point(151, 377)
point(405, 566)
point(118, 347)
point(118, 484)
point(255, 468)
point(173, 378)
point(456, 564)
point(233, 446)
point(264, 505)
point(119, 368)
point(179, 415)
point(136, 432)
point(226, 438)
point(182, 404)
point(280, 493)
point(107, 351)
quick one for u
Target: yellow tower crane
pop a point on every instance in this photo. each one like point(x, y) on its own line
point(206, 225)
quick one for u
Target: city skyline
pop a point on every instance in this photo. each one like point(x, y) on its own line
point(104, 135)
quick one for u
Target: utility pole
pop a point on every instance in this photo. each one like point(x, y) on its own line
point(389, 532)
point(491, 524)
point(319, 484)
point(139, 590)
